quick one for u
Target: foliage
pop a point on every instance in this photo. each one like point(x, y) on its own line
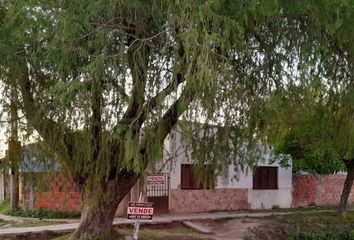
point(310, 115)
point(333, 235)
point(37, 213)
point(104, 82)
point(96, 80)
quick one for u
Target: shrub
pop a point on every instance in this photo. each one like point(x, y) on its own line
point(333, 235)
point(37, 213)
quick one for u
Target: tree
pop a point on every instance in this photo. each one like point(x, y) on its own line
point(311, 117)
point(104, 82)
point(318, 133)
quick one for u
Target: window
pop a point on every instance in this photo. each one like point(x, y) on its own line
point(189, 179)
point(265, 178)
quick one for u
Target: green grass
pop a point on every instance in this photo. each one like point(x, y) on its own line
point(4, 223)
point(322, 218)
point(306, 226)
point(37, 213)
point(223, 220)
point(36, 223)
point(178, 233)
point(64, 237)
point(324, 235)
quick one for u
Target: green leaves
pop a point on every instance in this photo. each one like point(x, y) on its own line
point(236, 64)
point(65, 94)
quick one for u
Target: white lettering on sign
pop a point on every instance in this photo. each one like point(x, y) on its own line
point(140, 210)
point(157, 179)
point(144, 211)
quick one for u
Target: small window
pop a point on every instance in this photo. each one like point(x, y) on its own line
point(189, 179)
point(265, 178)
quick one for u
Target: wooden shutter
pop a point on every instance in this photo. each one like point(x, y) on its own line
point(189, 179)
point(265, 178)
point(273, 178)
point(256, 179)
point(186, 176)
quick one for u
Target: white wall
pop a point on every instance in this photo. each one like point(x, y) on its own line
point(257, 198)
point(265, 199)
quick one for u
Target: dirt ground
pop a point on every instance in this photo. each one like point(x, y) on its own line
point(223, 229)
point(45, 235)
point(265, 228)
point(230, 229)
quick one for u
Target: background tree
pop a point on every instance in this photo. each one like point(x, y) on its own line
point(312, 113)
point(318, 133)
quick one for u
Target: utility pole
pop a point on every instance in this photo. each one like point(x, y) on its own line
point(14, 151)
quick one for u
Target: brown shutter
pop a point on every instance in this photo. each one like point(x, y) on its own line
point(186, 176)
point(273, 178)
point(265, 178)
point(195, 182)
point(256, 181)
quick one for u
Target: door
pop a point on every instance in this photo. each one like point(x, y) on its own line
point(157, 191)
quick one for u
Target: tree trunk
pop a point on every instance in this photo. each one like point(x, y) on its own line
point(14, 158)
point(98, 221)
point(342, 208)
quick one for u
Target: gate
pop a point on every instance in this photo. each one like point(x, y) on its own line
point(157, 191)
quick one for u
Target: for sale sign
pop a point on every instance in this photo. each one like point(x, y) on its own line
point(140, 210)
point(156, 179)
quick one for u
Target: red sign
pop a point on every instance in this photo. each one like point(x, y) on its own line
point(156, 179)
point(140, 210)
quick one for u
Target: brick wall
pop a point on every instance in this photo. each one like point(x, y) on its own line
point(318, 190)
point(57, 194)
point(193, 201)
point(304, 190)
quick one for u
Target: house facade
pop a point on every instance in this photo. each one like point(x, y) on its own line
point(268, 187)
point(174, 188)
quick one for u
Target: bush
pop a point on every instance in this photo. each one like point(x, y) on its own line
point(37, 213)
point(333, 235)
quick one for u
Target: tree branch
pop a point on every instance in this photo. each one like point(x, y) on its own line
point(158, 98)
point(163, 127)
point(49, 130)
point(138, 62)
point(119, 89)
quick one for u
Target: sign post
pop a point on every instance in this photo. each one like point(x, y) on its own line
point(139, 211)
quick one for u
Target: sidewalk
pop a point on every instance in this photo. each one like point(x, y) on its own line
point(167, 218)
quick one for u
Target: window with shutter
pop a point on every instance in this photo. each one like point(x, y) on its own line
point(189, 179)
point(265, 178)
point(186, 176)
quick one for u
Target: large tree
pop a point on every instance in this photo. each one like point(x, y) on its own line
point(104, 82)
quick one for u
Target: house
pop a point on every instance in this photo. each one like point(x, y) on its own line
point(269, 186)
point(178, 189)
point(174, 188)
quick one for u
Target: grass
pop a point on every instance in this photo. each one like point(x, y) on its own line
point(37, 213)
point(223, 220)
point(36, 223)
point(319, 218)
point(325, 235)
point(175, 233)
point(4, 223)
point(306, 226)
point(64, 237)
point(10, 224)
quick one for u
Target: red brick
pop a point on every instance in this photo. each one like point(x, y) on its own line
point(321, 190)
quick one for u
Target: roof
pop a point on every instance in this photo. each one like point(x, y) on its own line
point(35, 159)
